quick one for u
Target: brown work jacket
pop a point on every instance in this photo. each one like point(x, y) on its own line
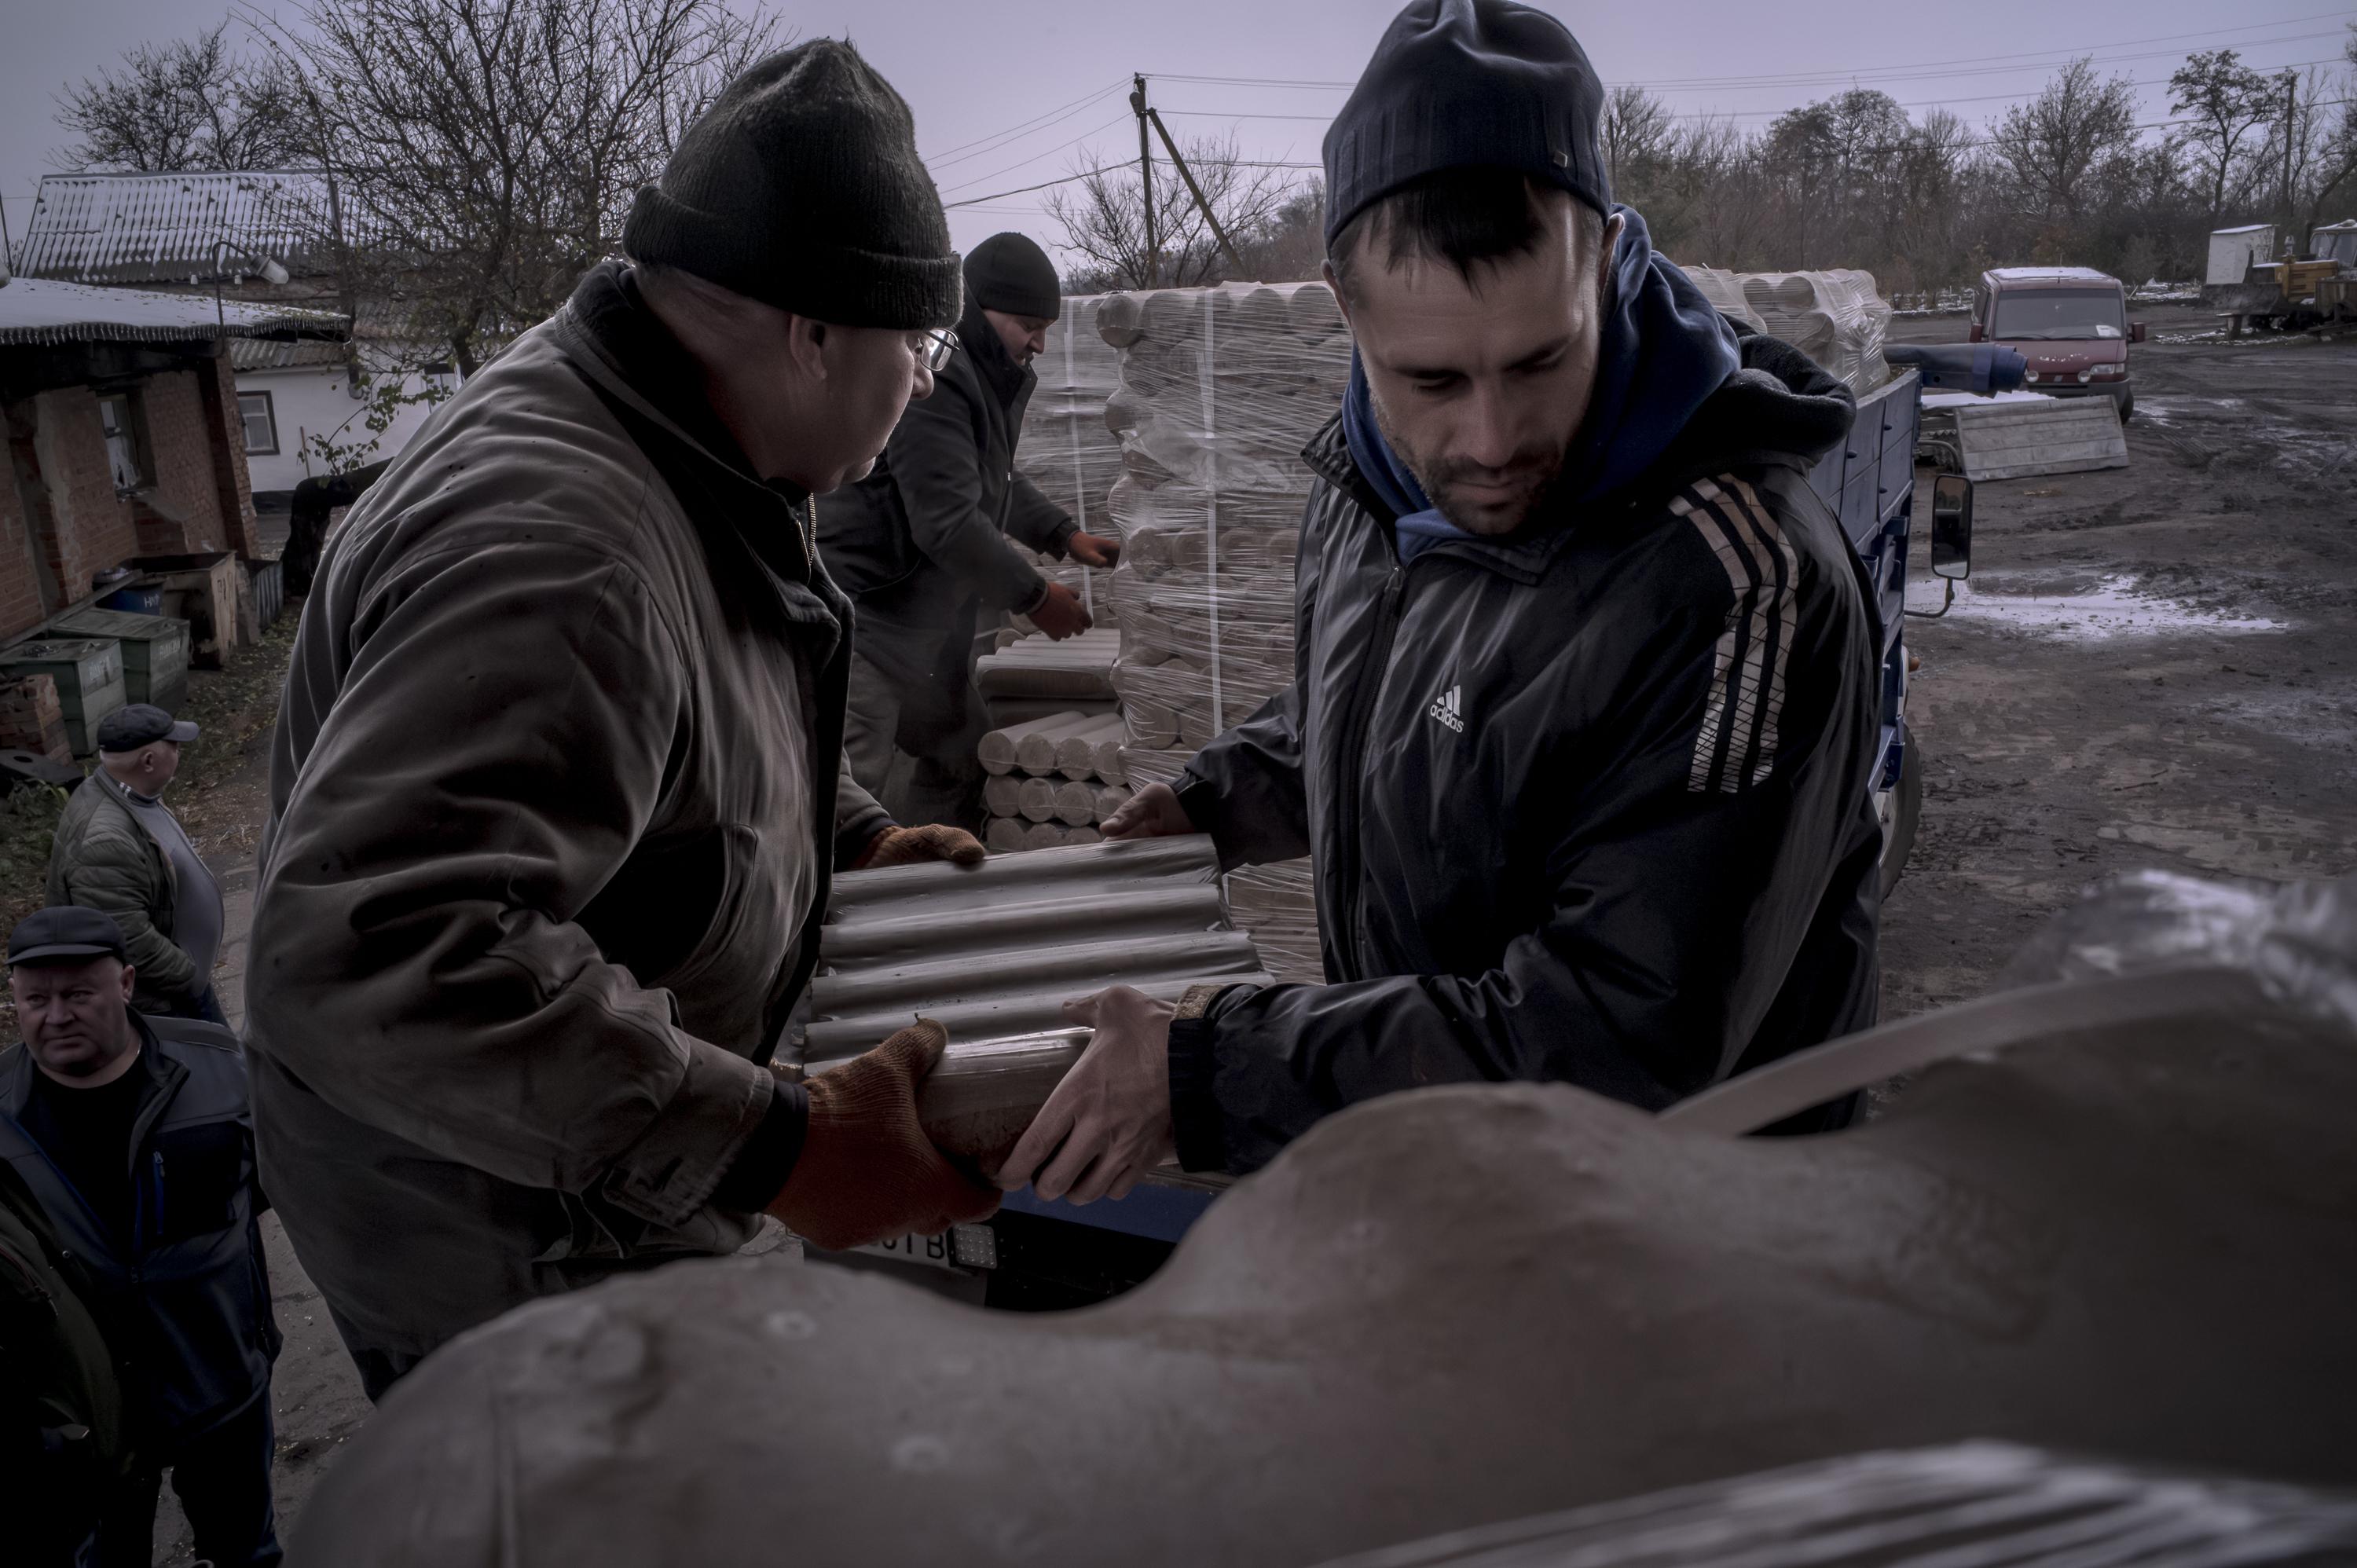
point(556, 794)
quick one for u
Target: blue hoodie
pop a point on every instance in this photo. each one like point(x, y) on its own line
point(1664, 351)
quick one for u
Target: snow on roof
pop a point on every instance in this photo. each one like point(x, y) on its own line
point(158, 228)
point(44, 311)
point(2051, 274)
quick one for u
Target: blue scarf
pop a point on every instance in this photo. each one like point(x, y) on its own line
point(1663, 351)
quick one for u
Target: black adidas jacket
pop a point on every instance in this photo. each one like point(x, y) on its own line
point(1590, 803)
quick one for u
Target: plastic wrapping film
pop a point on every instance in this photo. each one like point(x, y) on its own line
point(1839, 318)
point(1972, 1505)
point(2299, 940)
point(1065, 448)
point(1219, 389)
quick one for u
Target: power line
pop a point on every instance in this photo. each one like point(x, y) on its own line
point(1090, 172)
point(1756, 80)
point(1035, 158)
point(998, 139)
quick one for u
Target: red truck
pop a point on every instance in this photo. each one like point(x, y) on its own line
point(2070, 323)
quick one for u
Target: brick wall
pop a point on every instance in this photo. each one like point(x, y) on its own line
point(242, 533)
point(182, 510)
point(20, 597)
point(31, 717)
point(198, 495)
point(93, 527)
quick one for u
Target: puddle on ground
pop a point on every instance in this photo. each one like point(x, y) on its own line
point(2112, 607)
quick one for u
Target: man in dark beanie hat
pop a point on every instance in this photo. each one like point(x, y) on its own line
point(1585, 729)
point(558, 787)
point(922, 545)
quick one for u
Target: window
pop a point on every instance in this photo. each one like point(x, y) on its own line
point(115, 417)
point(261, 423)
point(2046, 314)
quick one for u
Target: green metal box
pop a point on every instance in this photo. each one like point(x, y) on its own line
point(89, 674)
point(155, 651)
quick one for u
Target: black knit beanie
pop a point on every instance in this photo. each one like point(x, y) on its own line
point(1467, 84)
point(1010, 272)
point(800, 187)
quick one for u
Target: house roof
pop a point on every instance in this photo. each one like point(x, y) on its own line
point(40, 311)
point(159, 227)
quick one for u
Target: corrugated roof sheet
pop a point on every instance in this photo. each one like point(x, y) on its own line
point(42, 311)
point(158, 228)
point(994, 950)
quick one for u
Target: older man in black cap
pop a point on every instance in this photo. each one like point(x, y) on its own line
point(1586, 716)
point(119, 848)
point(558, 791)
point(133, 1134)
point(921, 546)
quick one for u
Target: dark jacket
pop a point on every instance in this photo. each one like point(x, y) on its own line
point(61, 1429)
point(187, 1308)
point(924, 538)
point(1590, 803)
point(104, 858)
point(557, 798)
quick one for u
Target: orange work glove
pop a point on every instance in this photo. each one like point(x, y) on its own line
point(1060, 614)
point(867, 1172)
point(907, 846)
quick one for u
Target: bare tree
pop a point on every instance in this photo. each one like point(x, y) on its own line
point(190, 104)
point(1638, 130)
point(1103, 218)
point(485, 152)
point(2321, 123)
point(2054, 145)
point(2227, 101)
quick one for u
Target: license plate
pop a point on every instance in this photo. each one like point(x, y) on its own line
point(963, 1248)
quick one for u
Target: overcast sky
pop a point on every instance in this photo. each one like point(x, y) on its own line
point(977, 70)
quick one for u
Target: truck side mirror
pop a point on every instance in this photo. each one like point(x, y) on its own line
point(1972, 333)
point(2135, 331)
point(1952, 526)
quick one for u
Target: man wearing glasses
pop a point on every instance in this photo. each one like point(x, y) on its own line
point(921, 546)
point(558, 791)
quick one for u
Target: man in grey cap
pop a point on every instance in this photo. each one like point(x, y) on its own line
point(921, 546)
point(120, 849)
point(558, 791)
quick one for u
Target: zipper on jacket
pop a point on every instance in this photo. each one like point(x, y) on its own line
point(1353, 754)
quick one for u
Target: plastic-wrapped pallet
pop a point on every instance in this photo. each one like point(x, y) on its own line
point(1220, 390)
point(1065, 448)
point(1839, 318)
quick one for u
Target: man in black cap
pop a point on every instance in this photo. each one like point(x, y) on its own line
point(119, 848)
point(920, 545)
point(133, 1132)
point(1586, 718)
point(558, 790)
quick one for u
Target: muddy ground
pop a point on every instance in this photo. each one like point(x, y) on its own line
point(2153, 666)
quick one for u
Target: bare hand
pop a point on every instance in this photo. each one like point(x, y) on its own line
point(1153, 812)
point(1109, 1122)
point(908, 846)
point(1060, 614)
point(1093, 549)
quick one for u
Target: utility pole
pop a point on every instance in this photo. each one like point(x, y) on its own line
point(2291, 116)
point(1236, 267)
point(1146, 179)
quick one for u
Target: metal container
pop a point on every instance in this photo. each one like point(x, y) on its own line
point(89, 675)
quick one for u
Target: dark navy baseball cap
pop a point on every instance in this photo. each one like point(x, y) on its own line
point(65, 933)
point(141, 724)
